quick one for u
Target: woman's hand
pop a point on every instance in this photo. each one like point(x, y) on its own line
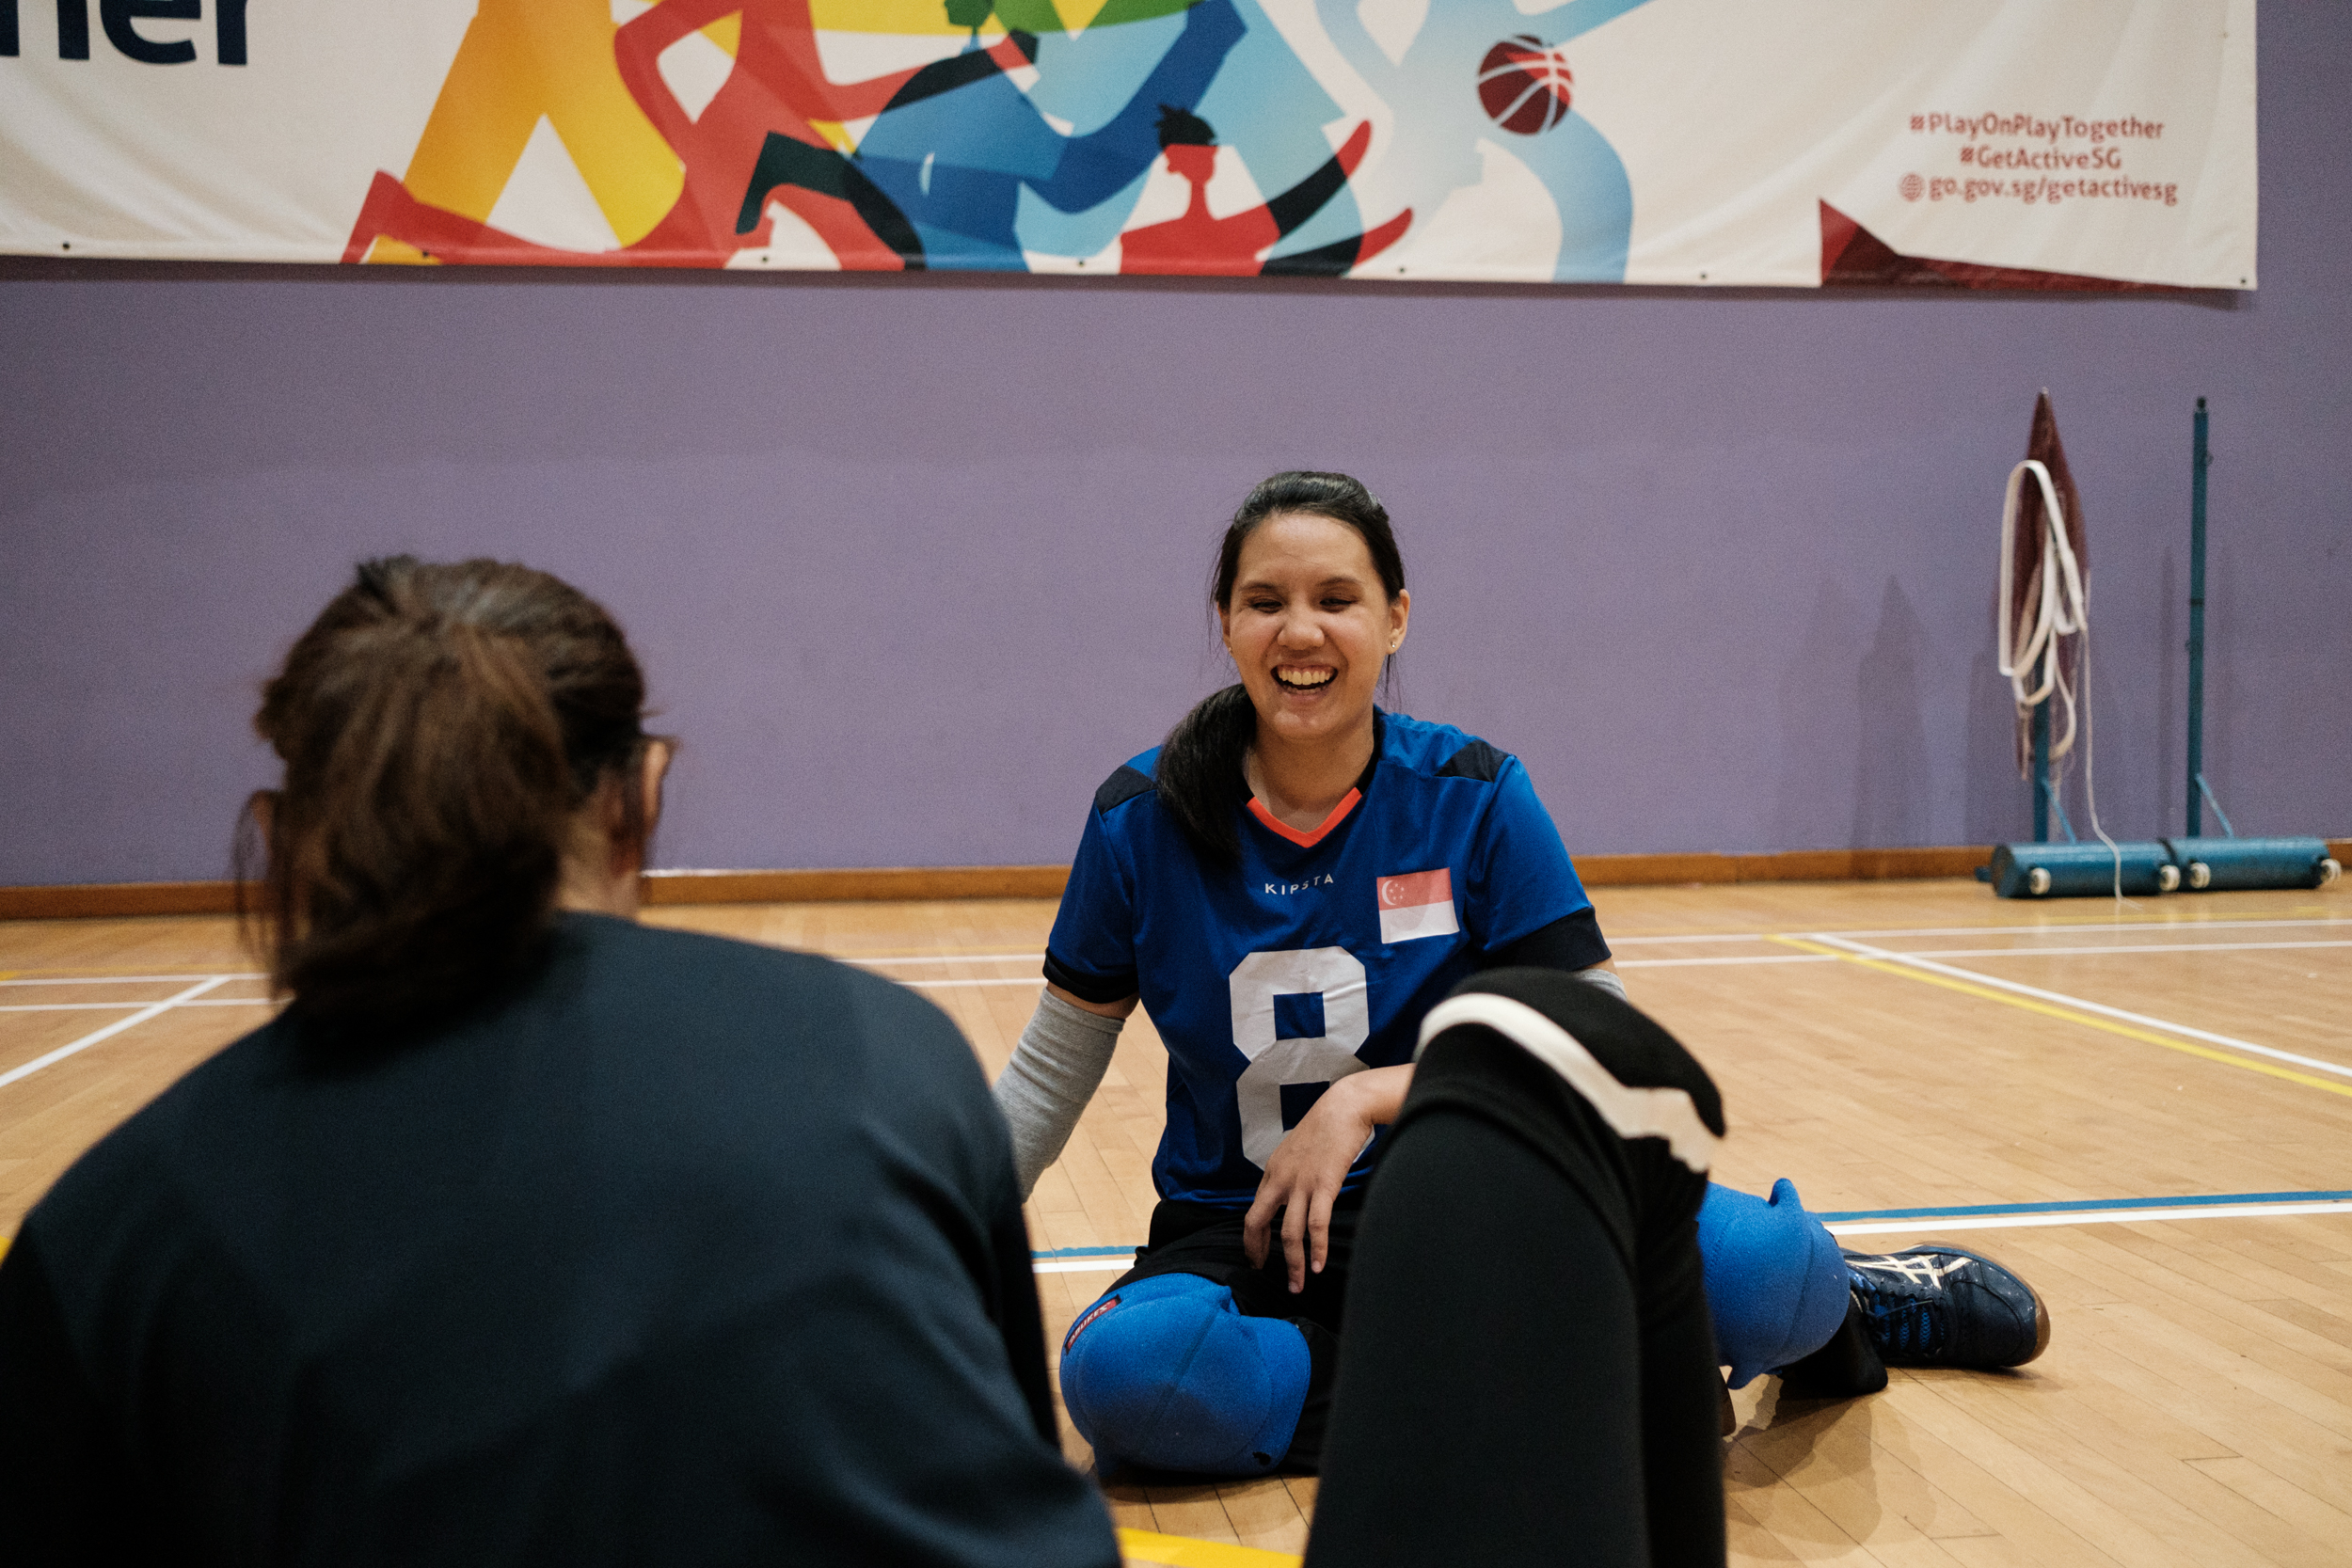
point(1308, 1166)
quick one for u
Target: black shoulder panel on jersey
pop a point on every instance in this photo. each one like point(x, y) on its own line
point(1476, 760)
point(1122, 788)
point(1090, 988)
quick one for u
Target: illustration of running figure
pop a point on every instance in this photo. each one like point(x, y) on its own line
point(521, 61)
point(957, 149)
point(1231, 247)
point(563, 58)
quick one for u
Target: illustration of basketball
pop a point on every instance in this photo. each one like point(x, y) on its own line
point(1524, 84)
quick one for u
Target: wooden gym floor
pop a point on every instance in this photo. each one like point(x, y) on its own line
point(2096, 1075)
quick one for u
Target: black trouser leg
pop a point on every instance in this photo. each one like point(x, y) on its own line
point(1508, 1391)
point(1682, 1393)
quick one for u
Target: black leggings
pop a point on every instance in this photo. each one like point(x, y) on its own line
point(1528, 1372)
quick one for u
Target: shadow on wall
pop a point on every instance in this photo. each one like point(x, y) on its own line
point(1891, 792)
point(2171, 696)
point(1816, 727)
point(1998, 809)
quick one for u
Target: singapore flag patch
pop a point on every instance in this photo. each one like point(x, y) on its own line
point(1417, 904)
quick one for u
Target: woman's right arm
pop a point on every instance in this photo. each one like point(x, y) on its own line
point(1055, 1070)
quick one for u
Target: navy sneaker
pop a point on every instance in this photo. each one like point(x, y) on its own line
point(1936, 1305)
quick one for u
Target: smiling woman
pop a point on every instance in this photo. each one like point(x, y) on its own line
point(1311, 624)
point(1294, 885)
point(1289, 884)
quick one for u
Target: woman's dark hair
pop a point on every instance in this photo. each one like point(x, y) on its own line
point(440, 726)
point(1199, 769)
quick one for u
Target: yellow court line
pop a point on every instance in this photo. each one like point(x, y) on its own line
point(2186, 919)
point(1182, 1551)
point(2071, 1016)
point(2316, 914)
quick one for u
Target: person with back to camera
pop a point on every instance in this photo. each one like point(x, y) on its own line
point(1290, 884)
point(526, 1233)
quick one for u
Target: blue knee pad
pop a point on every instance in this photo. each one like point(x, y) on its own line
point(1776, 1284)
point(1168, 1373)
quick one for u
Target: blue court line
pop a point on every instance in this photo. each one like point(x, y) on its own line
point(1952, 1212)
point(1962, 1211)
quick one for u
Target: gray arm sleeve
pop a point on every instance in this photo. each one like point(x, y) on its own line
point(1055, 1070)
point(1607, 980)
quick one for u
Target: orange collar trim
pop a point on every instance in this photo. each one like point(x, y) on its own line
point(1309, 840)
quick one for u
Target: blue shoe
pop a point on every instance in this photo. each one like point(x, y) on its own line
point(1936, 1305)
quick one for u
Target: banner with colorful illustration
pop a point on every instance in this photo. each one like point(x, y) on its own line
point(2002, 143)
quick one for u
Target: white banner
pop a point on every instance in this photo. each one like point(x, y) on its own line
point(1986, 143)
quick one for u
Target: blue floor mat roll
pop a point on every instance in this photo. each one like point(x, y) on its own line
point(2235, 864)
point(2081, 870)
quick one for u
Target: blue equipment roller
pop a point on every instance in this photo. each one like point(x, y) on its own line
point(2080, 870)
point(2232, 864)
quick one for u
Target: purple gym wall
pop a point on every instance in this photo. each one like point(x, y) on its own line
point(913, 563)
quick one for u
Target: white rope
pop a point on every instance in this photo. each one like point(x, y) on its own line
point(2060, 607)
point(2090, 754)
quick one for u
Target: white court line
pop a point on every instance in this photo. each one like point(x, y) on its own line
point(1742, 960)
point(1889, 1227)
point(119, 1007)
point(1976, 977)
point(2090, 1216)
point(2154, 928)
point(152, 1009)
point(1990, 953)
point(125, 980)
point(2118, 948)
point(1736, 959)
point(70, 1007)
point(2223, 923)
point(947, 959)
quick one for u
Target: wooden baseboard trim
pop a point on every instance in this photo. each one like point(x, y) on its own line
point(911, 883)
point(923, 883)
point(915, 883)
point(95, 900)
point(1792, 865)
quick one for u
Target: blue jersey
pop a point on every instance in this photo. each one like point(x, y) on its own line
point(1317, 954)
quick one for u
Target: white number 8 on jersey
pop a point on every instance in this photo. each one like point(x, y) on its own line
point(1338, 977)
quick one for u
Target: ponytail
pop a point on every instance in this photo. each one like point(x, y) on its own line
point(440, 726)
point(1199, 774)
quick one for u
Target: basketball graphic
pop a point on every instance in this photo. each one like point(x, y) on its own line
point(1524, 85)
